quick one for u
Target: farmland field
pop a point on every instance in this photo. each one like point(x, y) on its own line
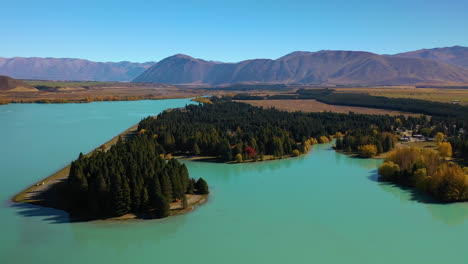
point(432, 94)
point(316, 106)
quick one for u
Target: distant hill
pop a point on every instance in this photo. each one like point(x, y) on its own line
point(10, 84)
point(322, 67)
point(70, 69)
point(456, 55)
point(428, 66)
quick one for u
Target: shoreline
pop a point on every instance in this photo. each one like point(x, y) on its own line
point(175, 209)
point(381, 156)
point(32, 194)
point(25, 196)
point(86, 101)
point(214, 159)
point(29, 194)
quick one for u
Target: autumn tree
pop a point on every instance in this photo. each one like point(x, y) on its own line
point(250, 151)
point(388, 170)
point(239, 158)
point(439, 138)
point(445, 149)
point(367, 151)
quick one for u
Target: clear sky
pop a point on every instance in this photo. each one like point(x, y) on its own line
point(222, 30)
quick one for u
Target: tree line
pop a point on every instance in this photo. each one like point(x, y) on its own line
point(237, 132)
point(329, 96)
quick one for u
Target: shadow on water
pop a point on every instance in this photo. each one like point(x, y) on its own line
point(373, 176)
point(52, 208)
point(49, 215)
point(47, 205)
point(403, 191)
point(451, 214)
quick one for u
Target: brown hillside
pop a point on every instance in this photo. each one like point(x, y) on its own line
point(10, 84)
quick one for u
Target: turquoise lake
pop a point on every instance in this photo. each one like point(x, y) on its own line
point(322, 207)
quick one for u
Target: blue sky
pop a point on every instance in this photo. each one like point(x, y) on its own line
point(227, 31)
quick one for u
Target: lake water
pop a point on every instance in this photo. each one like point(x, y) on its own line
point(323, 207)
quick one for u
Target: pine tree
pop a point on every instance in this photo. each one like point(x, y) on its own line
point(201, 186)
point(379, 147)
point(226, 151)
point(191, 186)
point(166, 188)
point(196, 149)
point(126, 195)
point(388, 144)
point(118, 205)
point(144, 200)
point(160, 205)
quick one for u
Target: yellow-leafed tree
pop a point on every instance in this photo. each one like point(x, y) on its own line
point(439, 138)
point(239, 158)
point(445, 149)
point(388, 170)
point(367, 151)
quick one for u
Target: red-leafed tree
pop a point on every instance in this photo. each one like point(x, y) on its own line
point(250, 151)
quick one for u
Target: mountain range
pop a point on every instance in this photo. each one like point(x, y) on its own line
point(456, 55)
point(439, 65)
point(322, 67)
point(70, 69)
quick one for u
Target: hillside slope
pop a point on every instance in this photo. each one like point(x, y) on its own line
point(10, 84)
point(455, 55)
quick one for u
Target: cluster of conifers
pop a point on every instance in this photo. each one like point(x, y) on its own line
point(131, 177)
